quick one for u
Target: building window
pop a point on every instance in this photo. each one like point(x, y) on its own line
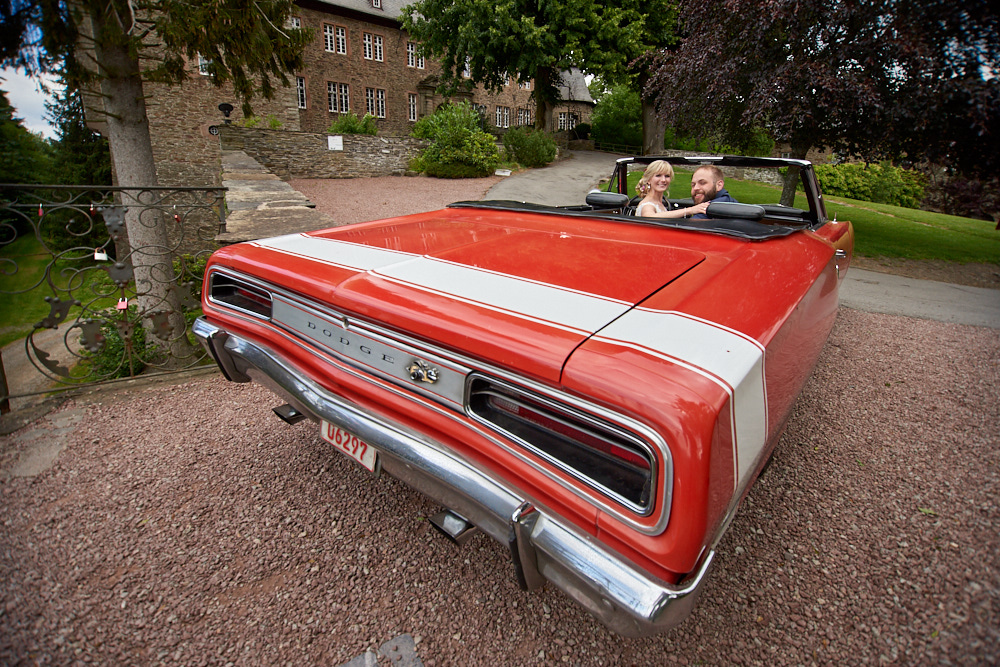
point(203, 64)
point(373, 46)
point(341, 39)
point(524, 117)
point(503, 116)
point(295, 22)
point(413, 59)
point(467, 69)
point(377, 4)
point(300, 89)
point(375, 102)
point(338, 97)
point(335, 39)
point(412, 106)
point(524, 85)
point(573, 120)
point(562, 120)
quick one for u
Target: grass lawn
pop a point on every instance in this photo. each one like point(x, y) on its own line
point(21, 311)
point(880, 230)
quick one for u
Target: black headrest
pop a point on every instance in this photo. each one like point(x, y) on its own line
point(606, 200)
point(732, 210)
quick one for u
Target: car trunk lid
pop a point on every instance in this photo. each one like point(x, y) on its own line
point(520, 296)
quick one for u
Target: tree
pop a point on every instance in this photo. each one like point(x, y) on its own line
point(24, 157)
point(617, 117)
point(107, 48)
point(873, 79)
point(527, 40)
point(80, 155)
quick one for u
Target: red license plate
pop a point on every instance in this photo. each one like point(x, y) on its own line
point(349, 444)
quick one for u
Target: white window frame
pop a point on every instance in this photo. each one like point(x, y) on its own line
point(295, 22)
point(300, 90)
point(377, 4)
point(340, 38)
point(366, 43)
point(203, 64)
point(411, 105)
point(375, 102)
point(344, 91)
point(413, 58)
point(562, 120)
point(328, 39)
point(502, 116)
point(378, 47)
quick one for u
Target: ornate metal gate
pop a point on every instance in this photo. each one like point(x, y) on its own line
point(66, 247)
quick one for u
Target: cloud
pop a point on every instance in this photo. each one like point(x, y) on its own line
point(27, 99)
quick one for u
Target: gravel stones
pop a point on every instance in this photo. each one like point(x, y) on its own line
point(186, 524)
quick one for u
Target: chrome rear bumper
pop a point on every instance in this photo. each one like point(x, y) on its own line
point(543, 548)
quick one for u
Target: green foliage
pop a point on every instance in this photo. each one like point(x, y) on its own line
point(80, 155)
point(24, 157)
point(126, 350)
point(349, 123)
point(880, 183)
point(617, 117)
point(530, 148)
point(459, 148)
point(581, 131)
point(494, 39)
point(270, 120)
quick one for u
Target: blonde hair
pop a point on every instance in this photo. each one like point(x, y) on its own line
point(655, 168)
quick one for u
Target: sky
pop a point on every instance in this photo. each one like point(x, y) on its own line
point(28, 101)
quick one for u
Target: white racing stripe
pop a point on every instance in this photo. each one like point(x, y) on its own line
point(730, 359)
point(331, 251)
point(532, 300)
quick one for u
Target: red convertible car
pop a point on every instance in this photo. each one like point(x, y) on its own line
point(593, 389)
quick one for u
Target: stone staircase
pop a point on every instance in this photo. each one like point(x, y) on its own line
point(260, 205)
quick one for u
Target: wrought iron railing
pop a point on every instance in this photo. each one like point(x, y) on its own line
point(65, 255)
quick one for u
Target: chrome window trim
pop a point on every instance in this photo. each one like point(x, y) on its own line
point(252, 283)
point(561, 407)
point(596, 498)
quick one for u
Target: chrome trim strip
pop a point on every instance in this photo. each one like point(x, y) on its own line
point(626, 599)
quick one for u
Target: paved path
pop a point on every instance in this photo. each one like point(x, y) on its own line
point(569, 180)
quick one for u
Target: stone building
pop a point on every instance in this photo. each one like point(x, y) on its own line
point(360, 61)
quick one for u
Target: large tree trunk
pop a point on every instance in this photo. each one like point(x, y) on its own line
point(132, 159)
point(791, 178)
point(653, 126)
point(653, 129)
point(544, 104)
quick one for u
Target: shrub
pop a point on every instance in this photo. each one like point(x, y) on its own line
point(121, 355)
point(581, 132)
point(529, 148)
point(617, 118)
point(460, 148)
point(349, 123)
point(879, 183)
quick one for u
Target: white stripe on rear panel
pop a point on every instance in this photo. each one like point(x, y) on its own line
point(731, 359)
point(332, 251)
point(533, 300)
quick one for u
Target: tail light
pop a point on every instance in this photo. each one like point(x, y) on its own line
point(599, 453)
point(237, 294)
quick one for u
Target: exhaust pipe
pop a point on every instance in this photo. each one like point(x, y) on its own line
point(289, 414)
point(454, 526)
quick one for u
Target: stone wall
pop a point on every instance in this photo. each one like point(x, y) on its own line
point(307, 155)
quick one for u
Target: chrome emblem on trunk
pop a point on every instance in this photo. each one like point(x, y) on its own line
point(421, 371)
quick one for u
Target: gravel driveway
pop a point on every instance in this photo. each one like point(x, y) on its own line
point(186, 524)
